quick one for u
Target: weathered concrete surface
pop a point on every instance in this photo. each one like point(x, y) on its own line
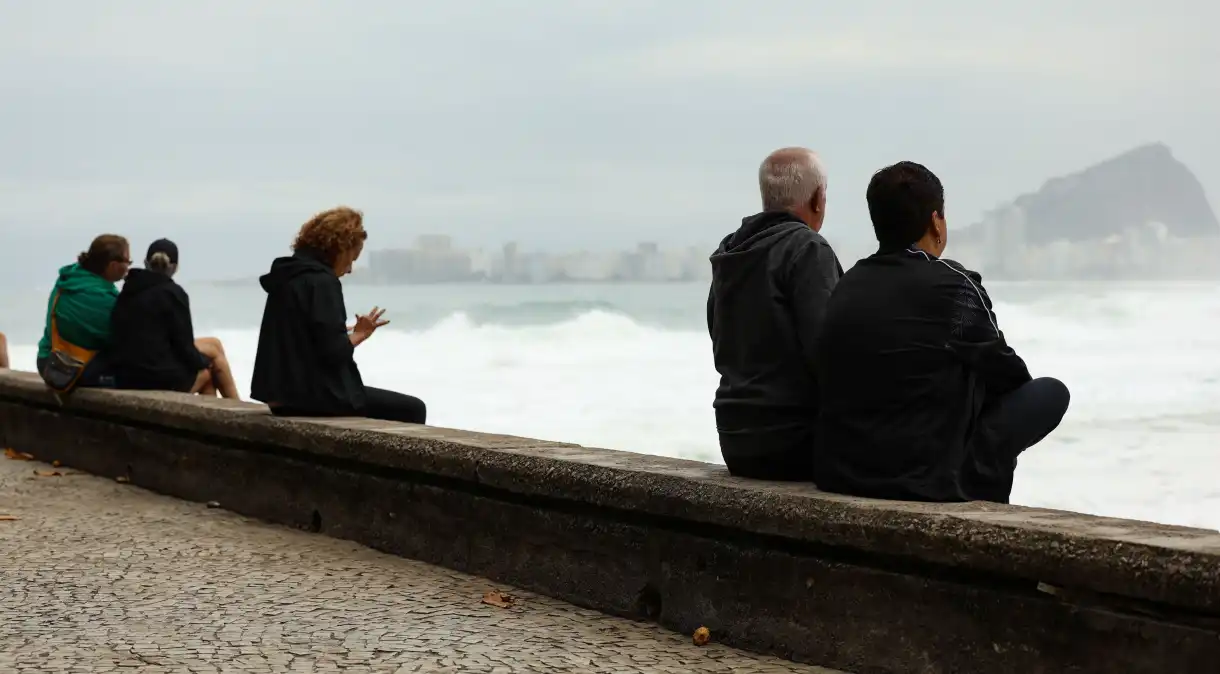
point(1177, 565)
point(100, 577)
point(860, 585)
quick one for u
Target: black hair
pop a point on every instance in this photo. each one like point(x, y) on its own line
point(901, 201)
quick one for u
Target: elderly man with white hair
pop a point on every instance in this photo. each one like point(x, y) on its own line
point(770, 283)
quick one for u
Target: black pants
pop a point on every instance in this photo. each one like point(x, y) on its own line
point(782, 454)
point(182, 381)
point(1008, 426)
point(379, 404)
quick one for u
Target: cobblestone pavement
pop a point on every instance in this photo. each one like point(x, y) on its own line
point(99, 576)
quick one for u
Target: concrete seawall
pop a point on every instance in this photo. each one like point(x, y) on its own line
point(859, 585)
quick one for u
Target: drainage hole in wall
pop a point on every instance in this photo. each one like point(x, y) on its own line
point(648, 602)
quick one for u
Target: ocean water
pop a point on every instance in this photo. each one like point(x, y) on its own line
point(629, 367)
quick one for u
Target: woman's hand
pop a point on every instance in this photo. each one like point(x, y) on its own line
point(367, 324)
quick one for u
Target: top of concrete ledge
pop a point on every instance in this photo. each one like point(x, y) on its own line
point(1141, 560)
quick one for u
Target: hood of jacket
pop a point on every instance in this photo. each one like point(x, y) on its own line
point(752, 242)
point(75, 279)
point(139, 280)
point(284, 269)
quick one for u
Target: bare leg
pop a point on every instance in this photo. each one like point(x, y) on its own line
point(203, 384)
point(3, 352)
point(221, 373)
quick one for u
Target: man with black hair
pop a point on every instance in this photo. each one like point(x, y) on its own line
point(770, 282)
point(922, 398)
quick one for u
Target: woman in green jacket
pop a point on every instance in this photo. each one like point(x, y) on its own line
point(81, 302)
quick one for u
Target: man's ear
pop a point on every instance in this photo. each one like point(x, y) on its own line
point(815, 203)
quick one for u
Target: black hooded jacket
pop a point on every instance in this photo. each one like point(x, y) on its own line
point(770, 283)
point(305, 357)
point(909, 357)
point(152, 339)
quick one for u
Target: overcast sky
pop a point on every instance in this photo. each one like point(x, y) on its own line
point(560, 123)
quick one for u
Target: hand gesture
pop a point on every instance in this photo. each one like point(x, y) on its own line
point(367, 324)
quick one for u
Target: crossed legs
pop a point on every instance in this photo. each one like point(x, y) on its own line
point(218, 377)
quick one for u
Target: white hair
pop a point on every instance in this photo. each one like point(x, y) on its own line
point(790, 177)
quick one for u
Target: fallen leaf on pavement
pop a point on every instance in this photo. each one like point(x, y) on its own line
point(702, 636)
point(497, 598)
point(56, 463)
point(9, 518)
point(15, 455)
point(122, 478)
point(48, 473)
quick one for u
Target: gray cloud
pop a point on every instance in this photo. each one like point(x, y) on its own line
point(561, 124)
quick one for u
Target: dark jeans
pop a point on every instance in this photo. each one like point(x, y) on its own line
point(379, 404)
point(1008, 426)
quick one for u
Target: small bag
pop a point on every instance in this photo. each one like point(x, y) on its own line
point(67, 362)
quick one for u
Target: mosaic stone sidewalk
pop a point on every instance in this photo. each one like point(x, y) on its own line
point(100, 576)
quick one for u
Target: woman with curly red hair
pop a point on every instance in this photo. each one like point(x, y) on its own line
point(305, 365)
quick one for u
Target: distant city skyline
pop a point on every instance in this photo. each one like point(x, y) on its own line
point(435, 259)
point(1138, 213)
